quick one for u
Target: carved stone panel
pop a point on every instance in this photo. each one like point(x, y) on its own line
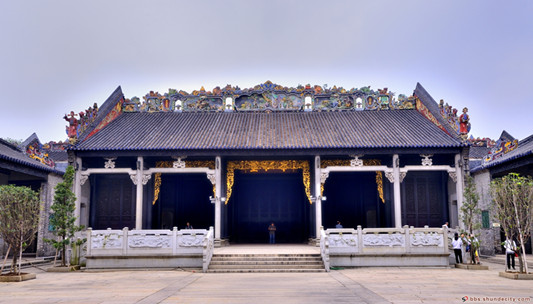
point(427, 239)
point(108, 241)
point(340, 240)
point(390, 240)
point(191, 240)
point(149, 241)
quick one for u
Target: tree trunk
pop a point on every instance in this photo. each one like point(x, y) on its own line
point(15, 260)
point(522, 256)
point(5, 259)
point(20, 252)
point(63, 257)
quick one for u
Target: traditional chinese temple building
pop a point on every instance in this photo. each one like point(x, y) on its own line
point(239, 159)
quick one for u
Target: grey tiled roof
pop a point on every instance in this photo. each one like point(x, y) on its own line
point(58, 156)
point(28, 141)
point(433, 107)
point(477, 152)
point(13, 154)
point(525, 148)
point(474, 163)
point(262, 130)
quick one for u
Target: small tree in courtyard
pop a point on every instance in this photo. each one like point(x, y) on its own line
point(63, 219)
point(512, 197)
point(469, 214)
point(19, 219)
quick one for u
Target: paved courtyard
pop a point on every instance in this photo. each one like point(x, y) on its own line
point(357, 285)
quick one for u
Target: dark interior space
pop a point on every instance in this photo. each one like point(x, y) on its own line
point(184, 198)
point(261, 198)
point(352, 198)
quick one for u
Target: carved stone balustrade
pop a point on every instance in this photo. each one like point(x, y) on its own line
point(388, 246)
point(146, 248)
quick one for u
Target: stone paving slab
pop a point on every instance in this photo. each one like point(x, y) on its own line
point(356, 285)
point(267, 249)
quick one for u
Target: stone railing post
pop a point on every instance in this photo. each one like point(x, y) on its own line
point(125, 241)
point(359, 239)
point(445, 238)
point(174, 240)
point(324, 248)
point(407, 232)
point(89, 240)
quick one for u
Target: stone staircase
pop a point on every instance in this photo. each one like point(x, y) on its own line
point(266, 263)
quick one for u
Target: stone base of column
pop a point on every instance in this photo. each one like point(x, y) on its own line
point(221, 243)
point(314, 242)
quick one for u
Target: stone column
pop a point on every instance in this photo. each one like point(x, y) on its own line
point(77, 189)
point(218, 195)
point(318, 196)
point(139, 196)
point(459, 187)
point(397, 194)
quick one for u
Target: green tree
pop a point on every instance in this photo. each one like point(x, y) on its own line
point(470, 211)
point(512, 197)
point(63, 219)
point(19, 219)
point(470, 214)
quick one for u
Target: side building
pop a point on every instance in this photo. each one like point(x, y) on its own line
point(506, 155)
point(29, 165)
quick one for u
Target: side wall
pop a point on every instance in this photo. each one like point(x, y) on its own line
point(489, 237)
point(47, 197)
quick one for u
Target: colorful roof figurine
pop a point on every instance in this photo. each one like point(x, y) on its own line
point(269, 116)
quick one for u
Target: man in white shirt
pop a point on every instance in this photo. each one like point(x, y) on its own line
point(510, 247)
point(457, 244)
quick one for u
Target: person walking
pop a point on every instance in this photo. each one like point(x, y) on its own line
point(510, 247)
point(272, 233)
point(457, 245)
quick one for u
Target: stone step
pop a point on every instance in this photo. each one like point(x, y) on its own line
point(253, 262)
point(266, 267)
point(215, 259)
point(268, 255)
point(266, 263)
point(263, 270)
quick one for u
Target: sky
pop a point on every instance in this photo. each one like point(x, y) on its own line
point(58, 56)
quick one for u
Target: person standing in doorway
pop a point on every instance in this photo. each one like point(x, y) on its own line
point(188, 226)
point(272, 233)
point(339, 225)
